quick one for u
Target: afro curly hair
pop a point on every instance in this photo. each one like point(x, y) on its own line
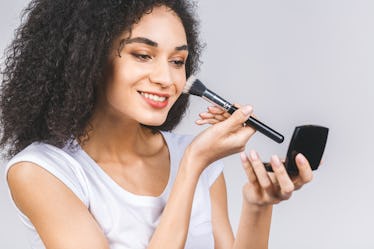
point(57, 60)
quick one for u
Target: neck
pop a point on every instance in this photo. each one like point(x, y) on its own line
point(111, 139)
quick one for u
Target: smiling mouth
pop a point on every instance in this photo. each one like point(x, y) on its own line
point(154, 97)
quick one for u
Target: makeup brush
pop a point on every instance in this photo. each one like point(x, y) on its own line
point(195, 87)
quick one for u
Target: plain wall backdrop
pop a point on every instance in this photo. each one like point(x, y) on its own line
point(297, 62)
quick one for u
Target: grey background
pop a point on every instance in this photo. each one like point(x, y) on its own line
point(297, 62)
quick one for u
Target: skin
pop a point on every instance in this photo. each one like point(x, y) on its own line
point(132, 155)
point(262, 190)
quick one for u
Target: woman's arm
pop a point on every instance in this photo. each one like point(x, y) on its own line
point(59, 216)
point(173, 227)
point(253, 230)
point(215, 142)
point(222, 231)
point(260, 193)
point(63, 221)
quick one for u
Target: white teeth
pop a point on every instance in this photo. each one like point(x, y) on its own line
point(153, 97)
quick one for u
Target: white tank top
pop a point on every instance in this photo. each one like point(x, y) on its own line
point(127, 220)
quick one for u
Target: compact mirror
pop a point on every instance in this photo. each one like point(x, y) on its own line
point(310, 140)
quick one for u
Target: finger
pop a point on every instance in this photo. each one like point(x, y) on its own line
point(285, 183)
point(305, 171)
point(219, 117)
point(237, 105)
point(238, 117)
point(226, 115)
point(208, 115)
point(216, 110)
point(201, 122)
point(206, 121)
point(204, 115)
point(274, 180)
point(262, 175)
point(252, 178)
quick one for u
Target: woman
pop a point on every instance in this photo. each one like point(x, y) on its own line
point(91, 90)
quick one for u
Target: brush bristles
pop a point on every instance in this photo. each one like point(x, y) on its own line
point(194, 86)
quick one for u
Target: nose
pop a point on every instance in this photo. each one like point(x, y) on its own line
point(161, 74)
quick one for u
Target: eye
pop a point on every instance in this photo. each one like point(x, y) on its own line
point(178, 63)
point(142, 57)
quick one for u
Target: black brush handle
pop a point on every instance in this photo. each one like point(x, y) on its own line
point(251, 121)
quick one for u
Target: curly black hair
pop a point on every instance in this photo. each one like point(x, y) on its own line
point(57, 60)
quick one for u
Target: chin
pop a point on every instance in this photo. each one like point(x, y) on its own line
point(153, 122)
point(153, 118)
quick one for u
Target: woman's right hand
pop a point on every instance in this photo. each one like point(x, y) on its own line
point(222, 138)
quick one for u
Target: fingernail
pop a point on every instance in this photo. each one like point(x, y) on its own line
point(246, 110)
point(254, 155)
point(275, 161)
point(199, 121)
point(301, 158)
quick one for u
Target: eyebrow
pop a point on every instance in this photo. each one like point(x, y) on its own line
point(181, 48)
point(140, 40)
point(149, 43)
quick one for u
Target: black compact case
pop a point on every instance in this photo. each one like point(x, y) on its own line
point(309, 140)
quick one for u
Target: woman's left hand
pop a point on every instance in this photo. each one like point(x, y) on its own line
point(264, 188)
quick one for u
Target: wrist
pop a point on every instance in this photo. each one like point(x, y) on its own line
point(257, 208)
point(192, 163)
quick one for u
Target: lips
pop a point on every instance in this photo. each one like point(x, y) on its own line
point(156, 100)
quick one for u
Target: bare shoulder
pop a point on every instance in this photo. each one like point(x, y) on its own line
point(59, 216)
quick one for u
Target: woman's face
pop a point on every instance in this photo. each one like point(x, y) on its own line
point(149, 75)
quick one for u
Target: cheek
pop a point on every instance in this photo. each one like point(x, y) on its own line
point(124, 72)
point(123, 77)
point(116, 86)
point(180, 81)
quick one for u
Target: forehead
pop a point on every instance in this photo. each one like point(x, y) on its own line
point(162, 25)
